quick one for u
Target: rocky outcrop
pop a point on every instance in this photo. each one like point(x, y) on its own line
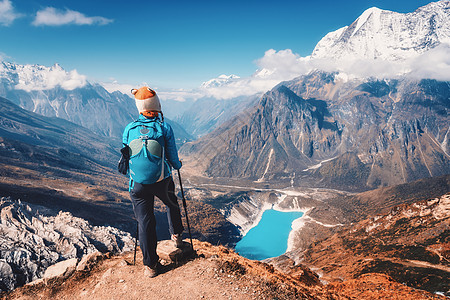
point(32, 238)
point(321, 130)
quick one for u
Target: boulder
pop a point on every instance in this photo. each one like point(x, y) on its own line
point(89, 260)
point(62, 269)
point(166, 250)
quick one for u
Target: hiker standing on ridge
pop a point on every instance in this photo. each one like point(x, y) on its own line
point(149, 152)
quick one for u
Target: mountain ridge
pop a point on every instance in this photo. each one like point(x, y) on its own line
point(317, 125)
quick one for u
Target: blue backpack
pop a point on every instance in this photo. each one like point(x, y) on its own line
point(146, 149)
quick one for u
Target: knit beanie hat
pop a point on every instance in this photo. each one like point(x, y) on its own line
point(146, 99)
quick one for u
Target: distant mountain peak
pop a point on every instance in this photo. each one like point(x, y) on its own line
point(219, 81)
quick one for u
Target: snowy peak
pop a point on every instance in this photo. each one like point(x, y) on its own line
point(387, 35)
point(370, 15)
point(37, 77)
point(219, 81)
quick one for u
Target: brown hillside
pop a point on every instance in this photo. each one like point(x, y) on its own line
point(411, 244)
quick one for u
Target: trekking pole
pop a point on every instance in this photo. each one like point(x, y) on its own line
point(185, 210)
point(135, 242)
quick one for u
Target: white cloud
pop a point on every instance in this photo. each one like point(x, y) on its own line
point(37, 78)
point(277, 66)
point(434, 64)
point(7, 13)
point(54, 17)
point(273, 67)
point(282, 64)
point(180, 95)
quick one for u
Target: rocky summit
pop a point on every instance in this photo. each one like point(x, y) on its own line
point(32, 238)
point(324, 130)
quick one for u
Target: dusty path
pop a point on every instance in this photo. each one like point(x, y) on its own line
point(194, 280)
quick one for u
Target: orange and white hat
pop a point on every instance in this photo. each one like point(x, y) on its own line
point(146, 99)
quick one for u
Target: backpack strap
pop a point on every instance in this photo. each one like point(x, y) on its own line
point(163, 163)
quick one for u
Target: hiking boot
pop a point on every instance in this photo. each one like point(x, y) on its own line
point(178, 240)
point(152, 271)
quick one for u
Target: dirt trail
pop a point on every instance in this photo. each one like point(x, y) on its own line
point(194, 280)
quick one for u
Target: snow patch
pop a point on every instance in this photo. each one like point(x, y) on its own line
point(268, 165)
point(319, 164)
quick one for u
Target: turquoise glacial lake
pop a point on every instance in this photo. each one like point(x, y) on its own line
point(270, 237)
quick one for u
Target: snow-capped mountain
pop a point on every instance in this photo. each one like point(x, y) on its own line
point(219, 81)
point(38, 77)
point(387, 35)
point(55, 92)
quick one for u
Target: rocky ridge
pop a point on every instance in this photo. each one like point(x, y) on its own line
point(33, 237)
point(320, 130)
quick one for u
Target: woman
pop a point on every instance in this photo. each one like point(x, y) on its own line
point(150, 146)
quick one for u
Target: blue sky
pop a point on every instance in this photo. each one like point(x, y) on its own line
point(170, 44)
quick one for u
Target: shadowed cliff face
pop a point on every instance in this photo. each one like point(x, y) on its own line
point(323, 131)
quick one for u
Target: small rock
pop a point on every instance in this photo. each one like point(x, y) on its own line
point(121, 280)
point(167, 251)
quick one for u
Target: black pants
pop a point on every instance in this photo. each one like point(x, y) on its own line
point(143, 199)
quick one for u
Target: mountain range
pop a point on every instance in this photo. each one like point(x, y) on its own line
point(357, 134)
point(55, 163)
point(54, 92)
